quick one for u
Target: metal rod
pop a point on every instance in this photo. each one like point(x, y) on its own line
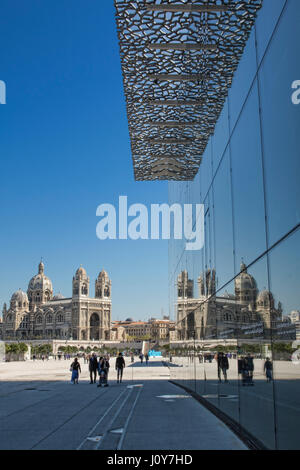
point(188, 8)
point(183, 47)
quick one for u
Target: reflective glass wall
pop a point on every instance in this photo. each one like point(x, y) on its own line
point(236, 302)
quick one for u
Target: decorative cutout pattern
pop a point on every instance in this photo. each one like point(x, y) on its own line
point(178, 60)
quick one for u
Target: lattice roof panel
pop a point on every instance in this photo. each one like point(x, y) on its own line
point(178, 60)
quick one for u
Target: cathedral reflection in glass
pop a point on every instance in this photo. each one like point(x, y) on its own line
point(238, 298)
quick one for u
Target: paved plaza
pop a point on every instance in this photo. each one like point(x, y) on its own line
point(41, 409)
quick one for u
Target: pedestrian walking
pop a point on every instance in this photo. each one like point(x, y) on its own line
point(268, 369)
point(147, 358)
point(132, 357)
point(141, 357)
point(223, 365)
point(75, 368)
point(93, 367)
point(120, 364)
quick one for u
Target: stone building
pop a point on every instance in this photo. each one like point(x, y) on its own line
point(246, 313)
point(153, 329)
point(38, 314)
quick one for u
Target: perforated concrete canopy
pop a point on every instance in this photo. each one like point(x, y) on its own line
point(178, 61)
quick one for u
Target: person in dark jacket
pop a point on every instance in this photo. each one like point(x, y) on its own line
point(120, 364)
point(223, 365)
point(93, 367)
point(268, 368)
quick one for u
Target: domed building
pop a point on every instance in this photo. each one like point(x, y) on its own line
point(38, 314)
point(39, 288)
point(245, 287)
point(242, 314)
point(19, 300)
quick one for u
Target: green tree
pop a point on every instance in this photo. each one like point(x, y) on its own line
point(23, 348)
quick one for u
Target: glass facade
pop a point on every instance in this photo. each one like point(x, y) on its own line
point(232, 301)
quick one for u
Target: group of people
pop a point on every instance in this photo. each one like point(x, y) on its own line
point(141, 356)
point(100, 367)
point(245, 368)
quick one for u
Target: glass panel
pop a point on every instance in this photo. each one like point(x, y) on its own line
point(285, 275)
point(254, 338)
point(242, 80)
point(223, 230)
point(281, 123)
point(248, 196)
point(220, 137)
point(206, 170)
point(225, 351)
point(266, 22)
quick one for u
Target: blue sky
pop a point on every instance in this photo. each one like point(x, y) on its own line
point(64, 149)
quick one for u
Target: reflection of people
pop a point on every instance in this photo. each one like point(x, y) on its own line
point(268, 368)
point(246, 369)
point(250, 368)
point(223, 365)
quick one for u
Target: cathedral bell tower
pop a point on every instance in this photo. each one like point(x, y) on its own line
point(81, 283)
point(103, 286)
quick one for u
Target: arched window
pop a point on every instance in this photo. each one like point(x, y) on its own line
point(99, 292)
point(39, 320)
point(84, 290)
point(75, 289)
point(60, 318)
point(49, 318)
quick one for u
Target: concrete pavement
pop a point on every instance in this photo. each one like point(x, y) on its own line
point(41, 409)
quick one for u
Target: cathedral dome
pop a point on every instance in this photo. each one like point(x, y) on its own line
point(40, 282)
point(58, 296)
point(103, 275)
point(245, 281)
point(81, 273)
point(19, 296)
point(40, 286)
